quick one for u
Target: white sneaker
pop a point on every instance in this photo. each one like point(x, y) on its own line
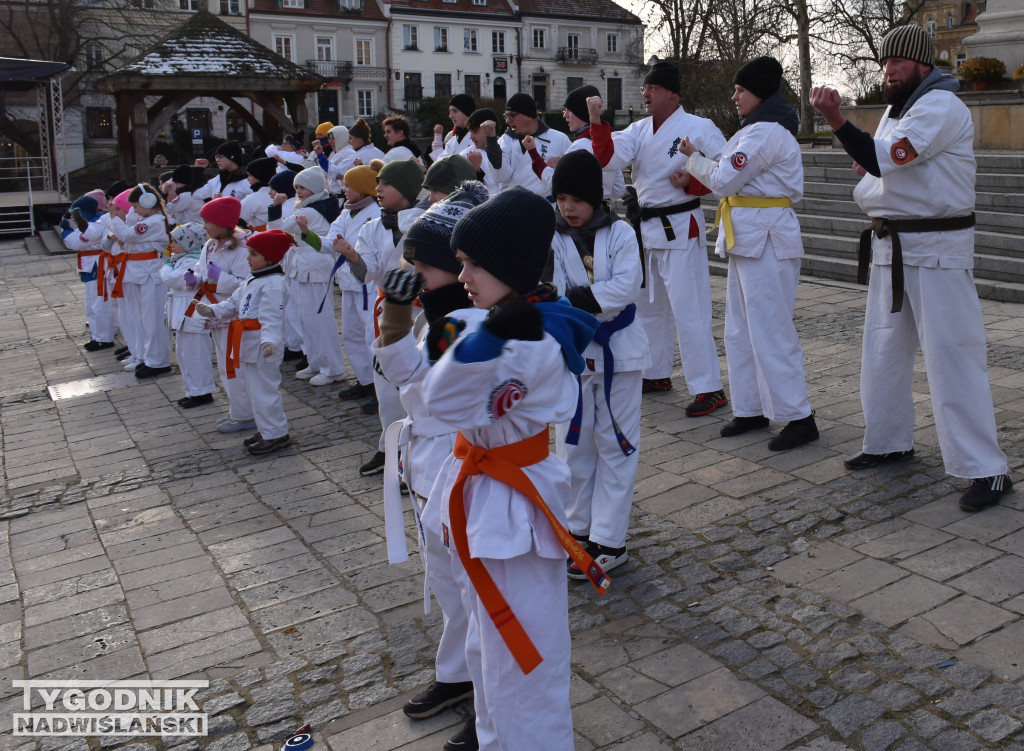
point(131, 363)
point(228, 425)
point(322, 379)
point(306, 373)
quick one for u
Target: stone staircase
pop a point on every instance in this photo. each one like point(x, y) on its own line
point(832, 222)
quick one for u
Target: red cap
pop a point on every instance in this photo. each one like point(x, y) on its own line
point(223, 211)
point(272, 244)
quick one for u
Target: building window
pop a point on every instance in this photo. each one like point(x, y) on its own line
point(351, 5)
point(479, 2)
point(364, 103)
point(572, 47)
point(473, 86)
point(469, 40)
point(410, 37)
point(325, 48)
point(498, 42)
point(540, 40)
point(613, 43)
point(441, 39)
point(443, 84)
point(198, 118)
point(293, 4)
point(230, 8)
point(283, 46)
point(189, 5)
point(364, 52)
point(93, 56)
point(930, 26)
point(99, 122)
point(144, 4)
point(949, 20)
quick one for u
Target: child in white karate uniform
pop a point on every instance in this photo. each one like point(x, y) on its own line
point(502, 384)
point(256, 205)
point(406, 350)
point(143, 235)
point(193, 346)
point(223, 266)
point(256, 312)
point(597, 267)
point(86, 213)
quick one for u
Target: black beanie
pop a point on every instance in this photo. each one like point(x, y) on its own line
point(262, 169)
point(523, 104)
point(761, 76)
point(578, 173)
point(429, 239)
point(479, 117)
point(182, 174)
point(509, 236)
point(232, 150)
point(576, 101)
point(295, 139)
point(282, 182)
point(665, 75)
point(463, 103)
point(116, 188)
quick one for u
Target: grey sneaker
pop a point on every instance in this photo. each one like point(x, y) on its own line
point(227, 425)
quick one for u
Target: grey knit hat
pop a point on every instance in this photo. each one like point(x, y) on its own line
point(429, 239)
point(509, 236)
point(447, 172)
point(910, 42)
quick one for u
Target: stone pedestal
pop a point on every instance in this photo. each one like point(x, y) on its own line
point(1000, 34)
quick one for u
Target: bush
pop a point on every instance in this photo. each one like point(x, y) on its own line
point(982, 69)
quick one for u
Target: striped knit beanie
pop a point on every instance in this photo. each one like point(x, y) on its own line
point(910, 42)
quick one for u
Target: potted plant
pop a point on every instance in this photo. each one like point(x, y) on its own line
point(982, 71)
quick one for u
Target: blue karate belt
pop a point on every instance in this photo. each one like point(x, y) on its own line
point(334, 270)
point(603, 337)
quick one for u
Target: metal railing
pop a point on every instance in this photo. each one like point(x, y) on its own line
point(21, 178)
point(576, 55)
point(345, 70)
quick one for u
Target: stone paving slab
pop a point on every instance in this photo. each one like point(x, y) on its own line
point(771, 601)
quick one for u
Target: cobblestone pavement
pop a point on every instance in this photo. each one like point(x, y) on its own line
point(771, 601)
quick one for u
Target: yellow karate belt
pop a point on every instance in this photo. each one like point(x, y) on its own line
point(725, 206)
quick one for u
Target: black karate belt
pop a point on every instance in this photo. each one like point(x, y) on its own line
point(883, 227)
point(664, 212)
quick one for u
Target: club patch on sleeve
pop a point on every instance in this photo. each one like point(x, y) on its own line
point(902, 152)
point(739, 161)
point(141, 228)
point(506, 396)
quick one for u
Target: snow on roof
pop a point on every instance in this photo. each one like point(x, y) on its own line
point(206, 46)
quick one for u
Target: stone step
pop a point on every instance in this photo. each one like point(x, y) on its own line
point(54, 244)
point(988, 161)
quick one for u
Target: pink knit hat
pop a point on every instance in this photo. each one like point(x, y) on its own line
point(121, 200)
point(100, 196)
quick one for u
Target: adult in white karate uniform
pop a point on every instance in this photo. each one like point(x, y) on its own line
point(516, 167)
point(917, 185)
point(678, 282)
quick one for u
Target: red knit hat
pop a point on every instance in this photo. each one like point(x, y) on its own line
point(272, 244)
point(224, 211)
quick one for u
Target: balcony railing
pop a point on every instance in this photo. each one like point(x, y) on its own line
point(576, 55)
point(345, 70)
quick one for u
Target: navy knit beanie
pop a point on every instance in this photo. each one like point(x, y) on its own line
point(429, 239)
point(509, 236)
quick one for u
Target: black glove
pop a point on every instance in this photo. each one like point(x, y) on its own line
point(583, 298)
point(441, 335)
point(402, 286)
point(516, 319)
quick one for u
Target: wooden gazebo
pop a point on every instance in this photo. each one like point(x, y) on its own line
point(204, 57)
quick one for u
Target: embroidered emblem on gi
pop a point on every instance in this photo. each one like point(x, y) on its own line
point(141, 228)
point(506, 396)
point(590, 363)
point(902, 152)
point(674, 148)
point(444, 536)
point(245, 305)
point(739, 160)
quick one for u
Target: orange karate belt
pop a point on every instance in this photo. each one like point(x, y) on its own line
point(205, 288)
point(80, 254)
point(505, 463)
point(232, 360)
point(121, 264)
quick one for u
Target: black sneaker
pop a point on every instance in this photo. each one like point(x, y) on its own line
point(465, 739)
point(705, 404)
point(121, 356)
point(656, 384)
point(195, 401)
point(796, 433)
point(436, 698)
point(253, 439)
point(94, 346)
point(120, 351)
point(264, 446)
point(371, 407)
point(605, 557)
point(867, 461)
point(292, 354)
point(301, 364)
point(740, 425)
point(144, 371)
point(985, 492)
point(373, 467)
point(358, 391)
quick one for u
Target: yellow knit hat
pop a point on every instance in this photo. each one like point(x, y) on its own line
point(322, 128)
